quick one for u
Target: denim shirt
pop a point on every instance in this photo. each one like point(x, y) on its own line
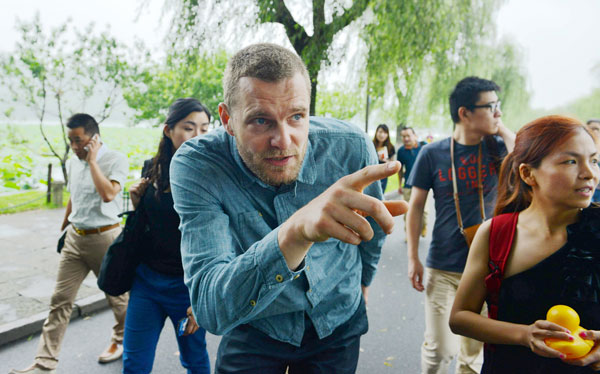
point(233, 265)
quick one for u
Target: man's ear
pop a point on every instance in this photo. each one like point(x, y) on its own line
point(225, 118)
point(463, 113)
point(527, 175)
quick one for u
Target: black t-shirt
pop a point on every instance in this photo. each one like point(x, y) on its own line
point(163, 236)
point(432, 170)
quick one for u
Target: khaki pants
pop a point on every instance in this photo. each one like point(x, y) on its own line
point(441, 345)
point(406, 197)
point(79, 255)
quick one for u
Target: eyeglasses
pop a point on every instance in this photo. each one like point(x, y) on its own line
point(494, 107)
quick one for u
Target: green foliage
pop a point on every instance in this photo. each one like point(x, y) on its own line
point(584, 108)
point(46, 68)
point(152, 89)
point(420, 50)
point(338, 104)
point(24, 165)
point(16, 164)
point(197, 22)
point(15, 171)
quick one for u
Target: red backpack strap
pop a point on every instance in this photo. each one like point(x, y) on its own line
point(502, 233)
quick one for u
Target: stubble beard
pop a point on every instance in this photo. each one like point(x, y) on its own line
point(270, 174)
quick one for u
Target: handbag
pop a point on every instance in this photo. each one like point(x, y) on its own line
point(467, 232)
point(61, 240)
point(124, 254)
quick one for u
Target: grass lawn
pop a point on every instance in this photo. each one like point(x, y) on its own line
point(29, 200)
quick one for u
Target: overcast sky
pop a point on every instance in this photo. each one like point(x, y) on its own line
point(560, 39)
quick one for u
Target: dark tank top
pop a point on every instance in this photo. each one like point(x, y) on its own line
point(570, 276)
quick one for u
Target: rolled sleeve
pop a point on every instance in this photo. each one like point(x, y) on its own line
point(119, 170)
point(272, 264)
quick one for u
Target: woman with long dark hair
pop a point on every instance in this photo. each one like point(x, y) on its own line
point(384, 147)
point(541, 249)
point(158, 290)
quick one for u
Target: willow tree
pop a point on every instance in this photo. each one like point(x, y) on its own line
point(154, 86)
point(411, 40)
point(60, 72)
point(310, 26)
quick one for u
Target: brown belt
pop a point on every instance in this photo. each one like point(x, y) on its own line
point(97, 230)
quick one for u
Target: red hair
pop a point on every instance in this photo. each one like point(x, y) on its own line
point(534, 141)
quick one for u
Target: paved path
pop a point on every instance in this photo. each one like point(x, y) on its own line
point(28, 270)
point(28, 267)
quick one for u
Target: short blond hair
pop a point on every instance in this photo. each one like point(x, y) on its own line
point(265, 61)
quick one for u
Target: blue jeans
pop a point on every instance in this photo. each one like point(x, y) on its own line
point(246, 350)
point(153, 298)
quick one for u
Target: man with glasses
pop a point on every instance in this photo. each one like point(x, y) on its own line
point(96, 176)
point(479, 141)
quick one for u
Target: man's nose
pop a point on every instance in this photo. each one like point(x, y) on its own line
point(281, 138)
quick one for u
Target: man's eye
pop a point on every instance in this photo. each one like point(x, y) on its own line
point(297, 117)
point(260, 121)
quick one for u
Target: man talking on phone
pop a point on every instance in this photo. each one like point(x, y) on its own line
point(91, 219)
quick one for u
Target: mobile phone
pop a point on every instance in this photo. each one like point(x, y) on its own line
point(95, 137)
point(181, 326)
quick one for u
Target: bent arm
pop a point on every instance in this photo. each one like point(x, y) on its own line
point(229, 285)
point(465, 317)
point(107, 189)
point(414, 219)
point(67, 213)
point(508, 136)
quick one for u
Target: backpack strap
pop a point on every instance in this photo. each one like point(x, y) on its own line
point(502, 233)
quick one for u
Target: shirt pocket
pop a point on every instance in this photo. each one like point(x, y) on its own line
point(251, 227)
point(83, 192)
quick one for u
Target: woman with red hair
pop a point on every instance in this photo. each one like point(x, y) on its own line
point(541, 249)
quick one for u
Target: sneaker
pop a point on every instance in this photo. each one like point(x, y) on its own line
point(33, 369)
point(113, 352)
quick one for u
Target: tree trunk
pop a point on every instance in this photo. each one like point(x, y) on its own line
point(63, 166)
point(313, 95)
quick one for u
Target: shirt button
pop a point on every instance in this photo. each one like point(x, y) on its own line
point(252, 303)
point(279, 278)
point(310, 290)
point(297, 276)
point(308, 268)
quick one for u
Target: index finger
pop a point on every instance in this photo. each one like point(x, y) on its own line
point(369, 174)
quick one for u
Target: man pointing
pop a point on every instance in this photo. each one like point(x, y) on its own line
point(274, 254)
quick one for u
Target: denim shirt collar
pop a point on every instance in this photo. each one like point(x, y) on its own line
point(307, 175)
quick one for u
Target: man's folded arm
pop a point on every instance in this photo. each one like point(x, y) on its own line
point(226, 288)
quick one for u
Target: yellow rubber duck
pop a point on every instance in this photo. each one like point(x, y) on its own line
point(568, 317)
